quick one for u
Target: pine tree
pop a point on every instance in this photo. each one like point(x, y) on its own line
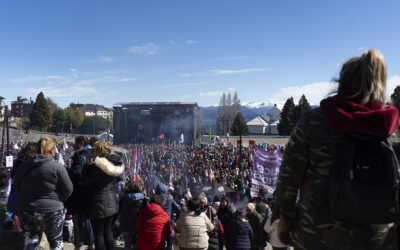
point(40, 116)
point(239, 124)
point(59, 118)
point(396, 97)
point(301, 108)
point(286, 123)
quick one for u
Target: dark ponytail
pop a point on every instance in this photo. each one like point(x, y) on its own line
point(194, 205)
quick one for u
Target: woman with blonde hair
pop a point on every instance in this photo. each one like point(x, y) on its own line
point(356, 113)
point(100, 180)
point(43, 185)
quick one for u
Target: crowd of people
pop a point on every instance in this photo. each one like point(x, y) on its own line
point(198, 197)
point(96, 189)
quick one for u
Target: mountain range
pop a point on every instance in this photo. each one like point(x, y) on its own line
point(249, 110)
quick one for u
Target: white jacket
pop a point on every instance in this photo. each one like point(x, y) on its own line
point(193, 230)
point(272, 230)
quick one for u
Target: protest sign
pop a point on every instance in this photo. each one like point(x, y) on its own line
point(265, 171)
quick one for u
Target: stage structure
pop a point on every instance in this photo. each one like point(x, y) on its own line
point(156, 122)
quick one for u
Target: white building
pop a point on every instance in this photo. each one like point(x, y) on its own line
point(266, 123)
point(96, 110)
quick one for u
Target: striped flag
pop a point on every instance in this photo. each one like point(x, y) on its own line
point(139, 158)
point(133, 167)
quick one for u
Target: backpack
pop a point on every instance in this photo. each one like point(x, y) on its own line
point(364, 181)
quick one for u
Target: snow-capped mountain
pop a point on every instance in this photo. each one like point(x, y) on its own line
point(249, 110)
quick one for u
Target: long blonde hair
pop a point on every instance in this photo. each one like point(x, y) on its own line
point(46, 145)
point(101, 148)
point(364, 78)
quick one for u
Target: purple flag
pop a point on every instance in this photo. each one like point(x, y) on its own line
point(265, 171)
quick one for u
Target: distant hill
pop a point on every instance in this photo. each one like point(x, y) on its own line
point(209, 114)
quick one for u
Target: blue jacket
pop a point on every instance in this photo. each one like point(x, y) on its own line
point(169, 205)
point(238, 235)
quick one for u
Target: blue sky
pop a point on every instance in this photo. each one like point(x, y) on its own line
point(105, 52)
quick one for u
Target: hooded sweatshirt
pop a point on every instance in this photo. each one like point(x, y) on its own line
point(169, 204)
point(346, 116)
point(153, 227)
point(131, 205)
point(43, 185)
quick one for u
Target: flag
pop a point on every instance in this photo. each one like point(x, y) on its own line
point(182, 139)
point(153, 181)
point(60, 159)
point(65, 145)
point(265, 146)
point(139, 158)
point(211, 176)
point(133, 173)
point(209, 133)
point(162, 136)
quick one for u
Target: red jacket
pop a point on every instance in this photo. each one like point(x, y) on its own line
point(154, 227)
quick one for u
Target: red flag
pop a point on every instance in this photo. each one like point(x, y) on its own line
point(161, 136)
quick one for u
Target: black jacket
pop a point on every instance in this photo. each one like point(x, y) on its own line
point(100, 180)
point(239, 235)
point(43, 185)
point(131, 205)
point(80, 163)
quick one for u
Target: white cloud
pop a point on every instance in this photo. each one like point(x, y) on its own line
point(210, 93)
point(101, 59)
point(28, 79)
point(391, 84)
point(191, 74)
point(229, 58)
point(184, 84)
point(240, 71)
point(73, 90)
point(215, 93)
point(191, 42)
point(314, 92)
point(74, 72)
point(145, 49)
point(361, 49)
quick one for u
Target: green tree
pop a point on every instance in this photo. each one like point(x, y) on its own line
point(60, 119)
point(93, 125)
point(40, 116)
point(396, 97)
point(287, 122)
point(239, 125)
point(75, 117)
point(301, 108)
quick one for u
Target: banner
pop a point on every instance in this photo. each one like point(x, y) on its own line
point(265, 171)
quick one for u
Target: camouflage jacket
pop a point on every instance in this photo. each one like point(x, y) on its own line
point(306, 164)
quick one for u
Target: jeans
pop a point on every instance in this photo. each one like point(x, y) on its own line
point(103, 236)
point(129, 242)
point(83, 233)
